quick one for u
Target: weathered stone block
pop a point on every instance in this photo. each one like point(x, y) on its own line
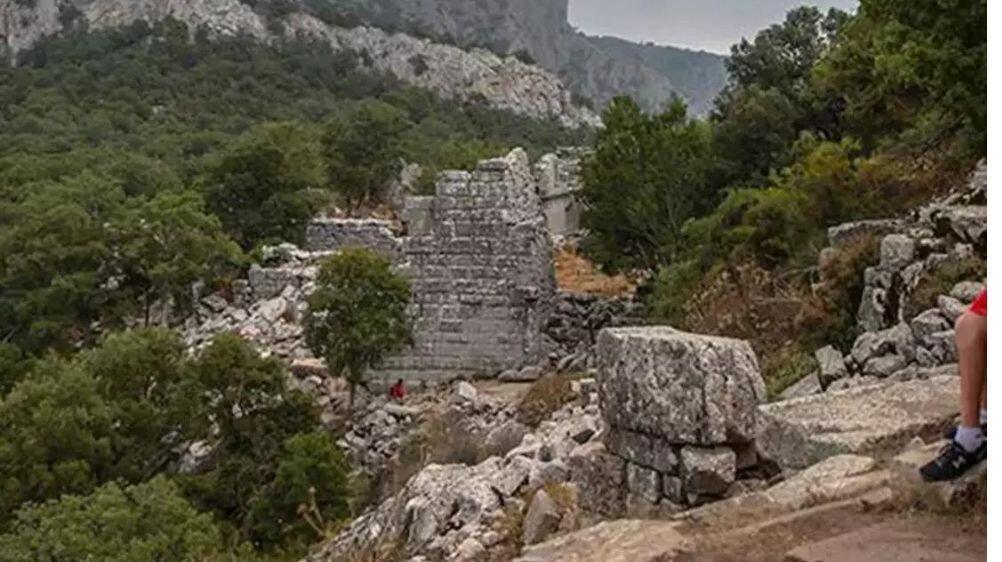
point(708, 471)
point(677, 387)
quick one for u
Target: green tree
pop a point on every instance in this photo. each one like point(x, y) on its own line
point(357, 314)
point(268, 185)
point(309, 492)
point(364, 152)
point(145, 379)
point(914, 71)
point(770, 97)
point(56, 438)
point(13, 366)
point(150, 521)
point(169, 242)
point(247, 398)
point(58, 274)
point(646, 177)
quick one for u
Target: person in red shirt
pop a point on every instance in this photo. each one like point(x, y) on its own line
point(398, 391)
point(968, 443)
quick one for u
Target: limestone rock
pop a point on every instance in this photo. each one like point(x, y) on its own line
point(708, 471)
point(797, 433)
point(643, 450)
point(897, 340)
point(844, 233)
point(831, 364)
point(852, 382)
point(928, 323)
point(466, 391)
point(600, 479)
point(896, 252)
point(679, 387)
point(614, 541)
point(883, 367)
point(951, 308)
point(967, 291)
point(807, 386)
point(541, 520)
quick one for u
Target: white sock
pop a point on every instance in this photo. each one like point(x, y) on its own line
point(970, 438)
point(983, 417)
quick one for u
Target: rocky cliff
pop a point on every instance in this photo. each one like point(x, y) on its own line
point(598, 68)
point(469, 76)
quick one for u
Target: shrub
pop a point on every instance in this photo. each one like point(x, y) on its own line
point(785, 367)
point(150, 521)
point(544, 397)
point(307, 496)
point(940, 281)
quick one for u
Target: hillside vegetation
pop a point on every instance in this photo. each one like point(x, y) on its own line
point(826, 118)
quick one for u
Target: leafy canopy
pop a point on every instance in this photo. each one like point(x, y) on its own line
point(645, 178)
point(358, 313)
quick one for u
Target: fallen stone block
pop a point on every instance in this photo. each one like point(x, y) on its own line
point(679, 387)
point(874, 419)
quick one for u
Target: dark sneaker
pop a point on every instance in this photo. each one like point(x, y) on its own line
point(951, 432)
point(952, 462)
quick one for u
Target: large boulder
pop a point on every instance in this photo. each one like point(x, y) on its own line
point(678, 387)
point(863, 420)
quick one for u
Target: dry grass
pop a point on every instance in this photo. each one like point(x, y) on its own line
point(576, 274)
point(546, 396)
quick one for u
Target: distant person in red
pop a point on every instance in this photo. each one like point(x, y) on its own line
point(968, 444)
point(398, 391)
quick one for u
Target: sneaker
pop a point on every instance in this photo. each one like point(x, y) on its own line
point(952, 462)
point(951, 432)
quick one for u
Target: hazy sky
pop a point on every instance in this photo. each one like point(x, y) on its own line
point(712, 25)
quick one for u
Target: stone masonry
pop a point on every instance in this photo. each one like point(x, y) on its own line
point(681, 414)
point(478, 257)
point(558, 177)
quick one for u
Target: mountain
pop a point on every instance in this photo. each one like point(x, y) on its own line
point(597, 68)
point(476, 75)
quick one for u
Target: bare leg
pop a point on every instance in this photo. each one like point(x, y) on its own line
point(972, 354)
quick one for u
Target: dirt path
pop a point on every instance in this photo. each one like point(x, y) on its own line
point(846, 533)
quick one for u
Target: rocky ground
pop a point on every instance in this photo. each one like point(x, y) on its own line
point(672, 454)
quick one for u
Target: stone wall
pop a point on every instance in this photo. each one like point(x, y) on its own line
point(558, 179)
point(479, 260)
point(333, 234)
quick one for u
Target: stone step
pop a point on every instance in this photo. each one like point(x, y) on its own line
point(872, 420)
point(963, 494)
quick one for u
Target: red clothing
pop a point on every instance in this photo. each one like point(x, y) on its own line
point(980, 305)
point(398, 391)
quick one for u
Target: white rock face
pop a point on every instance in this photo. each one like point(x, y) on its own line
point(451, 72)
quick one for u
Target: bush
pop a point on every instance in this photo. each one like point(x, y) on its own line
point(941, 280)
point(544, 397)
point(828, 317)
point(785, 367)
point(150, 521)
point(308, 495)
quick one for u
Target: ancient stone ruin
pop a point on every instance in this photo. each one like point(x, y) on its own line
point(478, 254)
point(681, 413)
